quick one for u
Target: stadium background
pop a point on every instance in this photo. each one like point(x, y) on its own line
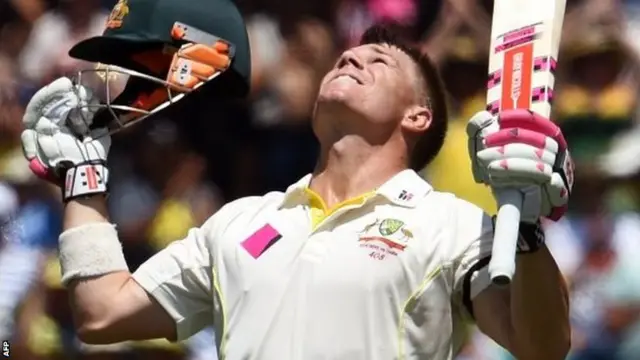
point(171, 174)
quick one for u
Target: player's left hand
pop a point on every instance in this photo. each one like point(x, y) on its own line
point(521, 150)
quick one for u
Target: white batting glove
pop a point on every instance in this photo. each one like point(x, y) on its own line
point(53, 120)
point(522, 150)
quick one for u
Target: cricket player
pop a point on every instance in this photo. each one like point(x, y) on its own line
point(360, 260)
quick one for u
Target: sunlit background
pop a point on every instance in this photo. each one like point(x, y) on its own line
point(171, 174)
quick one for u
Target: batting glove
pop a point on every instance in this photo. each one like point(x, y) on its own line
point(53, 120)
point(518, 149)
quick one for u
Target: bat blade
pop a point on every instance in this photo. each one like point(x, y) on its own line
point(525, 40)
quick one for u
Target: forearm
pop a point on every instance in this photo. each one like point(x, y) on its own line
point(92, 297)
point(540, 308)
point(108, 305)
point(85, 211)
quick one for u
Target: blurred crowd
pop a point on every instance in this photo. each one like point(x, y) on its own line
point(169, 174)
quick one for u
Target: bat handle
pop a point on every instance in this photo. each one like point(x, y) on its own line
point(503, 254)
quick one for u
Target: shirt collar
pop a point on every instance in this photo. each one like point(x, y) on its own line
point(406, 188)
point(295, 193)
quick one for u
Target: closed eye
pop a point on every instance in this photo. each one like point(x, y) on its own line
point(380, 60)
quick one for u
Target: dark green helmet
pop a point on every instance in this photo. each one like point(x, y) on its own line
point(168, 49)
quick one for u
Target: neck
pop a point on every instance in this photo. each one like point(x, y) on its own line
point(351, 167)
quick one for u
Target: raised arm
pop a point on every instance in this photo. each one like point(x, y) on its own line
point(518, 149)
point(109, 303)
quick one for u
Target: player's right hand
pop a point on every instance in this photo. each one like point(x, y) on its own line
point(53, 120)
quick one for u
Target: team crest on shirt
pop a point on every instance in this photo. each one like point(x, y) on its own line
point(385, 237)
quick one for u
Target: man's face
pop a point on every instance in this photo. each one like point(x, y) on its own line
point(375, 82)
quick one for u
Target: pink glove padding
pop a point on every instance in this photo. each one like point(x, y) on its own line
point(44, 173)
point(520, 149)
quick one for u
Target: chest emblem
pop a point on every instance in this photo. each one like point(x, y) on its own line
point(385, 237)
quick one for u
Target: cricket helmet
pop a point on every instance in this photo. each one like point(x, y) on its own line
point(168, 52)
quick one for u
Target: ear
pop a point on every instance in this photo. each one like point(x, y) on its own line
point(416, 119)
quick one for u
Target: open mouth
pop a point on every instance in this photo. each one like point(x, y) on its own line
point(347, 77)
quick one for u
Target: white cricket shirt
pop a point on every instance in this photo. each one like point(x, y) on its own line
point(378, 279)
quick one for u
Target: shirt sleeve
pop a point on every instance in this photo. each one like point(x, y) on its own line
point(180, 278)
point(474, 239)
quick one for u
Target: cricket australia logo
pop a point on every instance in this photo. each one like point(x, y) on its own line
point(385, 237)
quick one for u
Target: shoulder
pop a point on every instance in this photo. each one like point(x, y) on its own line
point(254, 204)
point(244, 210)
point(460, 209)
point(463, 221)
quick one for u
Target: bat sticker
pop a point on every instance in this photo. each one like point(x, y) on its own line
point(517, 74)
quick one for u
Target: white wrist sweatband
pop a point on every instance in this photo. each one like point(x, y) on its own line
point(90, 250)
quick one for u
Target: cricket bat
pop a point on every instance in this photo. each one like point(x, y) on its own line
point(525, 41)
